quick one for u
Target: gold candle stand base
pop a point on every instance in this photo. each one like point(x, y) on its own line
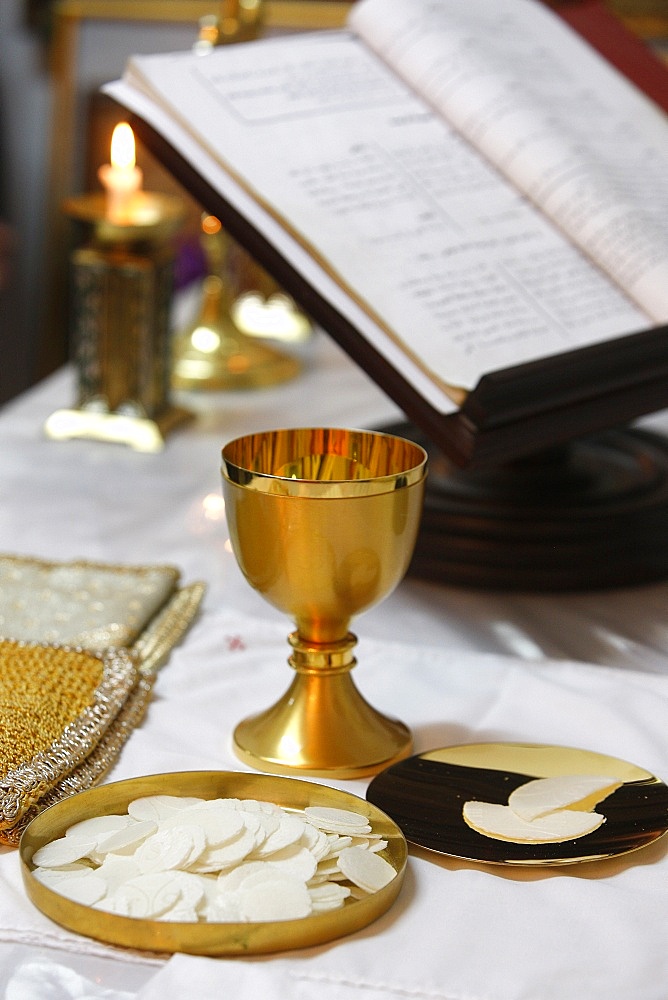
point(140, 433)
point(322, 726)
point(215, 356)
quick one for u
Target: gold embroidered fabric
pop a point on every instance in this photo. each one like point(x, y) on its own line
point(55, 705)
point(68, 704)
point(95, 765)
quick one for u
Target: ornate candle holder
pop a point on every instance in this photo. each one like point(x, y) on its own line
point(213, 353)
point(121, 298)
point(323, 522)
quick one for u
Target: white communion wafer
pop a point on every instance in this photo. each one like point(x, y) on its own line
point(294, 860)
point(368, 871)
point(316, 841)
point(253, 824)
point(328, 896)
point(272, 895)
point(255, 819)
point(231, 881)
point(337, 845)
point(288, 832)
point(191, 887)
point(62, 852)
point(331, 818)
point(501, 823)
point(216, 860)
point(156, 894)
point(146, 896)
point(257, 806)
point(117, 869)
point(87, 889)
point(219, 826)
point(51, 876)
point(128, 838)
point(174, 847)
point(159, 807)
point(223, 909)
point(98, 827)
point(566, 791)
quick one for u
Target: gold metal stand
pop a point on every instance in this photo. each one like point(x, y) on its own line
point(213, 354)
point(121, 296)
point(322, 725)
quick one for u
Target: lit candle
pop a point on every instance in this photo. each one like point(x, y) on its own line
point(121, 178)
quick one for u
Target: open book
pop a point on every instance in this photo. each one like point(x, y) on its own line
point(466, 195)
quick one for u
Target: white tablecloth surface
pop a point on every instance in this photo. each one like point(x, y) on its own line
point(589, 670)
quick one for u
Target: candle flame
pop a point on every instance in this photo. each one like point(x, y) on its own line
point(123, 147)
point(211, 225)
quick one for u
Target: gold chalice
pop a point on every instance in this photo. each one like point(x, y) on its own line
point(323, 522)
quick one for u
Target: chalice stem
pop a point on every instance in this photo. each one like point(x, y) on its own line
point(322, 725)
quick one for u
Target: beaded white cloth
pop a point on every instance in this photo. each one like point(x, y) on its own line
point(80, 603)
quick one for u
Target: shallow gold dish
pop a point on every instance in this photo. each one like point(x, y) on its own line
point(208, 938)
point(424, 795)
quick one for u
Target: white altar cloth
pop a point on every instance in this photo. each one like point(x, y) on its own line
point(457, 666)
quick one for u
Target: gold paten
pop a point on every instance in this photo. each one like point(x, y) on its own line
point(209, 938)
point(425, 794)
point(121, 295)
point(323, 523)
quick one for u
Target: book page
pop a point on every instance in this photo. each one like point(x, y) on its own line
point(445, 259)
point(566, 127)
point(301, 259)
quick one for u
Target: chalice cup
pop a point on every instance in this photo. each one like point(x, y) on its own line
point(323, 523)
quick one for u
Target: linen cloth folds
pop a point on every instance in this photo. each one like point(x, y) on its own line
point(458, 931)
point(80, 644)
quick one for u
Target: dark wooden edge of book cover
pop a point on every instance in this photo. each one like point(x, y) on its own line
point(512, 412)
point(626, 51)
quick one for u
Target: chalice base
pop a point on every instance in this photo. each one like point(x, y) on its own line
point(322, 726)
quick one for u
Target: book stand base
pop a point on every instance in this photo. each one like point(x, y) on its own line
point(587, 515)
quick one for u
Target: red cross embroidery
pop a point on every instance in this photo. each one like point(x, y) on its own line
point(234, 642)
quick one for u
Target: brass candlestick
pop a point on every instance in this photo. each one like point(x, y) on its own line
point(213, 354)
point(121, 298)
point(323, 523)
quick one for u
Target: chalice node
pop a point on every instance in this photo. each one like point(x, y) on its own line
point(323, 522)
